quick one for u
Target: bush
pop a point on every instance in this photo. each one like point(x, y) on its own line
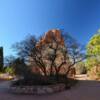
point(21, 69)
point(9, 70)
point(98, 74)
point(94, 73)
point(36, 80)
point(40, 80)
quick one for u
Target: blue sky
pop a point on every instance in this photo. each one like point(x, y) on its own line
point(18, 18)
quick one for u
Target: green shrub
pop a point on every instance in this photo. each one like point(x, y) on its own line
point(9, 70)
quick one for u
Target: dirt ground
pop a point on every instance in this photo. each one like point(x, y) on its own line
point(84, 90)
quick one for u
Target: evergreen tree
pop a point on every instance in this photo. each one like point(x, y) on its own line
point(1, 58)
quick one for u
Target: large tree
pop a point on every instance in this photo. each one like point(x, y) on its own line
point(51, 53)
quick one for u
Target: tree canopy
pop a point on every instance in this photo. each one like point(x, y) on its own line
point(51, 53)
point(93, 48)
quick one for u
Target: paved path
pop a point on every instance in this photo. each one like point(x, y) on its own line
point(84, 90)
point(82, 77)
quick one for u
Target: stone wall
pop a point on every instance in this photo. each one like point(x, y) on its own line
point(38, 90)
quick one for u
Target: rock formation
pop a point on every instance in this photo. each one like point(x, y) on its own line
point(51, 36)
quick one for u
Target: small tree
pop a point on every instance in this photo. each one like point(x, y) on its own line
point(93, 48)
point(75, 51)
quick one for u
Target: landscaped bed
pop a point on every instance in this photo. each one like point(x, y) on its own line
point(43, 85)
point(38, 89)
point(45, 64)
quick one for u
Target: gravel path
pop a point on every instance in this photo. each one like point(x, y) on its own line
point(84, 90)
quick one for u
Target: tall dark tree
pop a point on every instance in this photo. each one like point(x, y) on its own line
point(1, 58)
